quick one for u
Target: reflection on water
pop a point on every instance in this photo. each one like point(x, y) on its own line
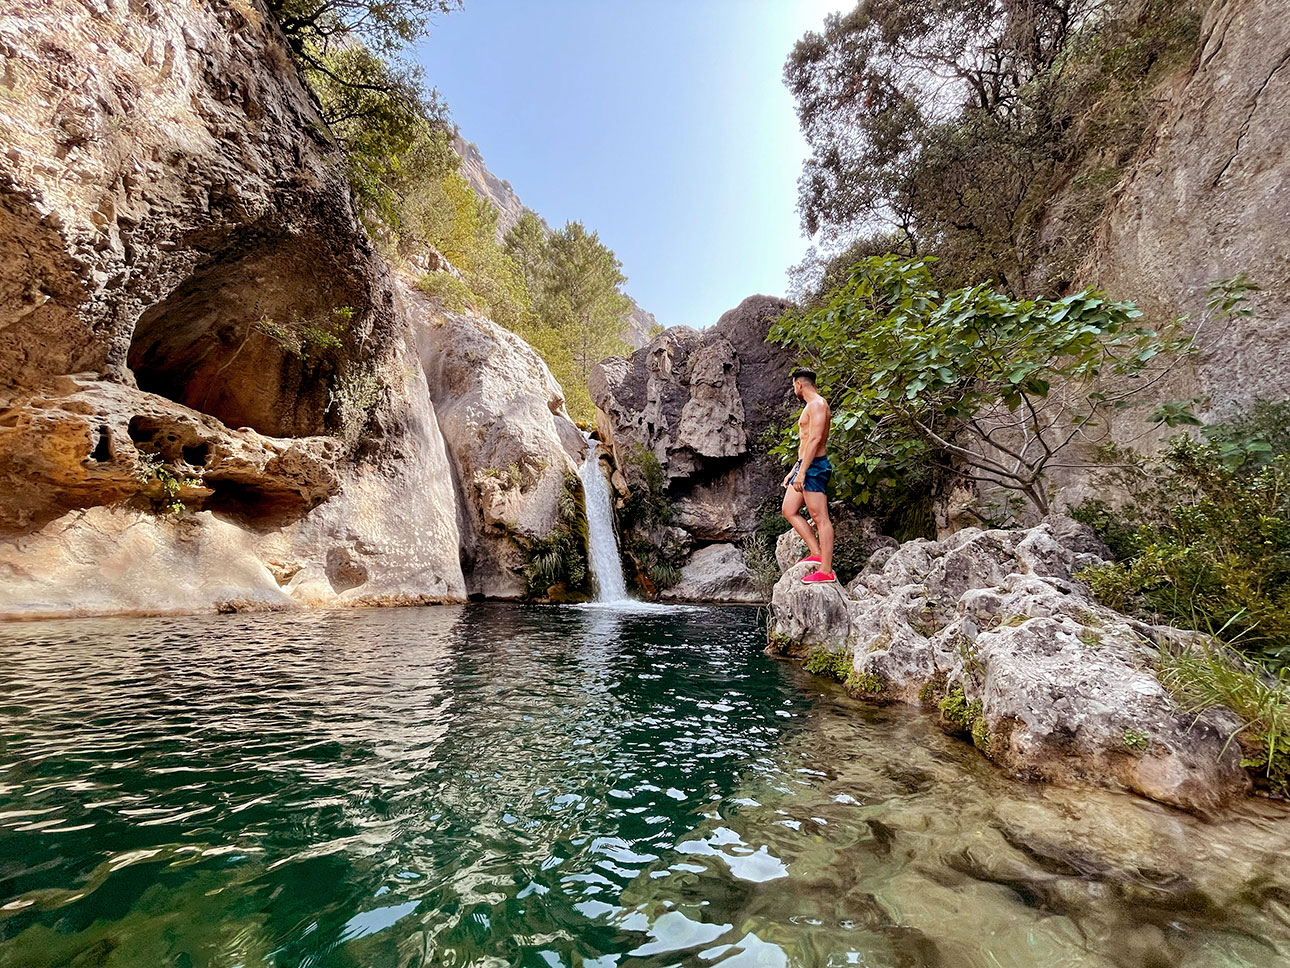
point(500, 785)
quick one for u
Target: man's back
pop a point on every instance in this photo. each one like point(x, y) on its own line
point(815, 417)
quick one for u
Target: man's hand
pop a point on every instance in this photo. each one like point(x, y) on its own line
point(787, 478)
point(799, 485)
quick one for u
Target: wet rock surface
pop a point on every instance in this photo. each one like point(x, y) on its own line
point(993, 627)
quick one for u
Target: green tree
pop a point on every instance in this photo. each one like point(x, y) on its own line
point(582, 307)
point(385, 26)
point(527, 244)
point(445, 213)
point(971, 380)
point(393, 134)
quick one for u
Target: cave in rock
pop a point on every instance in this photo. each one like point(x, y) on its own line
point(217, 344)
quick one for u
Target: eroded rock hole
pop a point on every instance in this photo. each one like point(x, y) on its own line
point(102, 452)
point(173, 442)
point(197, 454)
point(257, 340)
point(256, 504)
point(344, 571)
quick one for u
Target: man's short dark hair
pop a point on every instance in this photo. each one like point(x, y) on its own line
point(804, 374)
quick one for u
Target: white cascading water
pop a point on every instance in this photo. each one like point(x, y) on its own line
point(602, 543)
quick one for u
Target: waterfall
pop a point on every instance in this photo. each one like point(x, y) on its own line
point(602, 544)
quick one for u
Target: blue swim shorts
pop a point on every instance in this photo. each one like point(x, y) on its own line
point(817, 474)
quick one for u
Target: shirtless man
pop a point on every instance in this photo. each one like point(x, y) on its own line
point(809, 476)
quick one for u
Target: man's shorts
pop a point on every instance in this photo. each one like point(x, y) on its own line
point(817, 474)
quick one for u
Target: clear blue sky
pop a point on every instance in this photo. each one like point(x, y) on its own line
point(663, 125)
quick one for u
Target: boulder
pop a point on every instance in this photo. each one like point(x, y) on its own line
point(715, 573)
point(1047, 683)
point(512, 443)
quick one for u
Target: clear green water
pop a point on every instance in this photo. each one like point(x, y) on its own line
point(501, 785)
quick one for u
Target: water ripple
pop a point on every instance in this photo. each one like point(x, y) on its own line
point(498, 785)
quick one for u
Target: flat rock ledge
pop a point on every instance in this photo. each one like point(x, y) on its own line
point(992, 630)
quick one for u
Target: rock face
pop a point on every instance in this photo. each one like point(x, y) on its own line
point(1207, 200)
point(699, 403)
point(513, 445)
point(1046, 682)
point(211, 390)
point(82, 442)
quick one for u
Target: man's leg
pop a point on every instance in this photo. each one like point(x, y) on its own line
point(792, 510)
point(817, 503)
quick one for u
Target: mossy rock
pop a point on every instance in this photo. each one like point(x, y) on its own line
point(840, 667)
point(961, 717)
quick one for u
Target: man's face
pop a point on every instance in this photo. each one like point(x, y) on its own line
point(797, 387)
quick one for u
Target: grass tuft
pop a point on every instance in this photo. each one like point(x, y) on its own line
point(1202, 678)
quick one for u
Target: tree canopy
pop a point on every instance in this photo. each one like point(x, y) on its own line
point(970, 380)
point(384, 26)
point(579, 313)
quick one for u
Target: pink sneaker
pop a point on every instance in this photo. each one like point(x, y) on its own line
point(810, 560)
point(818, 576)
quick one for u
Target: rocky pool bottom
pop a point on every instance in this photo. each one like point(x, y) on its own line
point(508, 785)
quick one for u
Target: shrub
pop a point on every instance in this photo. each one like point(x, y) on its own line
point(163, 485)
point(840, 666)
point(643, 520)
point(451, 292)
point(759, 554)
point(833, 665)
point(560, 558)
point(301, 335)
point(1206, 545)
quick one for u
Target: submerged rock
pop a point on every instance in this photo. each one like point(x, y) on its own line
point(993, 627)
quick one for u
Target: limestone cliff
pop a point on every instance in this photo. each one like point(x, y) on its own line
point(513, 445)
point(211, 390)
point(1207, 198)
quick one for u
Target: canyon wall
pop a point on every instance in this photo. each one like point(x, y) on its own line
point(212, 391)
point(1209, 197)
